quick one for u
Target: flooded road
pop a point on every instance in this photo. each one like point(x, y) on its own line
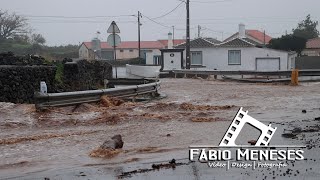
point(56, 144)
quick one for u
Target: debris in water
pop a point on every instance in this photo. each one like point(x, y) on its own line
point(154, 167)
point(105, 153)
point(110, 101)
point(304, 111)
point(206, 119)
point(173, 161)
point(114, 143)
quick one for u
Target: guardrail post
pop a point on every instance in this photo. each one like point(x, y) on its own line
point(295, 77)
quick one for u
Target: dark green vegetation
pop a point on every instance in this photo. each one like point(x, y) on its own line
point(17, 37)
point(306, 29)
point(289, 43)
point(50, 53)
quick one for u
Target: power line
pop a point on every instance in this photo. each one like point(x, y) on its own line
point(155, 21)
point(73, 22)
point(169, 11)
point(75, 17)
point(210, 2)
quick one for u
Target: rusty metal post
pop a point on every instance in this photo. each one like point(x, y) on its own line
point(295, 77)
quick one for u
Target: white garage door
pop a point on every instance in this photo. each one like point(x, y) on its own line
point(268, 64)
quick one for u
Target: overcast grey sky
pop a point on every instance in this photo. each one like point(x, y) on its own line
point(218, 18)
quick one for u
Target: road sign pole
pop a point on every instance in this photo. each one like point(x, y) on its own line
point(114, 50)
point(114, 40)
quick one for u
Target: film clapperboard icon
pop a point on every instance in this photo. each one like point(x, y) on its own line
point(237, 124)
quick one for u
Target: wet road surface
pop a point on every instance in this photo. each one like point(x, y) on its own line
point(56, 144)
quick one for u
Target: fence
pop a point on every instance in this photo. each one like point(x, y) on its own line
point(44, 100)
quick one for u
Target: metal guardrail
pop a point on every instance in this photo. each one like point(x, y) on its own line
point(314, 72)
point(124, 81)
point(44, 100)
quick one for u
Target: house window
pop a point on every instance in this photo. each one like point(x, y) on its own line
point(156, 60)
point(121, 50)
point(131, 50)
point(196, 58)
point(234, 57)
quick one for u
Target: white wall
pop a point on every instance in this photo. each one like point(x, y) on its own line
point(172, 61)
point(83, 52)
point(149, 56)
point(217, 58)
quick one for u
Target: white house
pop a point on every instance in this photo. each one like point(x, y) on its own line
point(126, 49)
point(237, 54)
point(154, 57)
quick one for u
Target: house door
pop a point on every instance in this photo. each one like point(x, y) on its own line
point(268, 64)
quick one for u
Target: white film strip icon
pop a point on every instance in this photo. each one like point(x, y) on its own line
point(237, 124)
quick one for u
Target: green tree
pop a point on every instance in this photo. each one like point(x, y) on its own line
point(288, 43)
point(307, 29)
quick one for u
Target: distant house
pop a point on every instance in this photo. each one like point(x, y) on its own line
point(312, 47)
point(126, 50)
point(256, 36)
point(239, 53)
point(154, 57)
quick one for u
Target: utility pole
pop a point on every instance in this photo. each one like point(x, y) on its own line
point(188, 60)
point(199, 31)
point(139, 41)
point(173, 34)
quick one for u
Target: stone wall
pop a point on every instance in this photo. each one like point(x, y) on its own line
point(86, 75)
point(18, 83)
point(20, 76)
point(9, 58)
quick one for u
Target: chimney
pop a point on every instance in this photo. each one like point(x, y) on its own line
point(170, 41)
point(242, 31)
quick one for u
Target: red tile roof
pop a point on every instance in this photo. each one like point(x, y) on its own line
point(161, 44)
point(258, 35)
point(176, 42)
point(253, 34)
point(313, 43)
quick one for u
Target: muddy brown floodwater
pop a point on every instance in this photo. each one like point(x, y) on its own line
point(57, 143)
